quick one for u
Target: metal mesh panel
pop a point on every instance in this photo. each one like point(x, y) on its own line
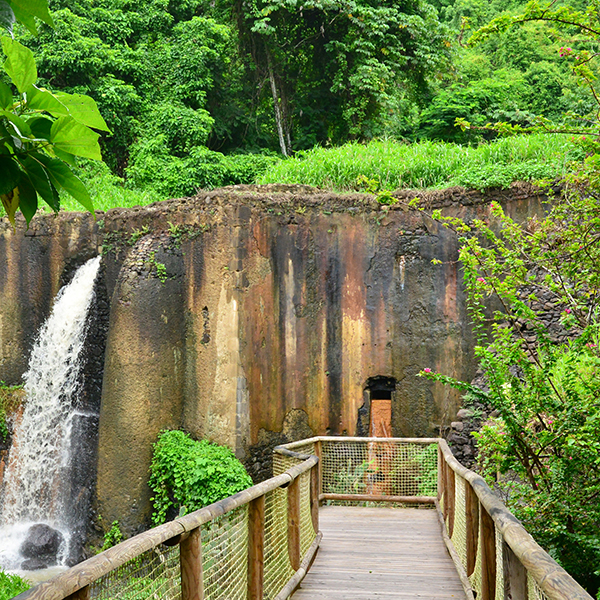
point(534, 591)
point(277, 562)
point(307, 532)
point(459, 535)
point(379, 468)
point(153, 574)
point(282, 462)
point(499, 564)
point(475, 577)
point(225, 556)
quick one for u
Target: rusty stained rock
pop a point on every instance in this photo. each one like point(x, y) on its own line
point(278, 301)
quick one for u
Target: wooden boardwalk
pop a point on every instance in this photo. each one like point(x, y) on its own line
point(380, 553)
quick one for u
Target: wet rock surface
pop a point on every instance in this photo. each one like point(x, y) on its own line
point(41, 547)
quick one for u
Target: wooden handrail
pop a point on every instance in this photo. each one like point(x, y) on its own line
point(552, 579)
point(520, 554)
point(88, 571)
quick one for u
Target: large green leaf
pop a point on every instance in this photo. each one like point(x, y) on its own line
point(26, 19)
point(40, 179)
point(40, 127)
point(62, 176)
point(21, 125)
point(7, 16)
point(42, 99)
point(26, 10)
point(66, 157)
point(28, 202)
point(70, 136)
point(20, 63)
point(6, 97)
point(9, 174)
point(83, 109)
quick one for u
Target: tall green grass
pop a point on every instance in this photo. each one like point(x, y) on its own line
point(11, 585)
point(428, 164)
point(388, 164)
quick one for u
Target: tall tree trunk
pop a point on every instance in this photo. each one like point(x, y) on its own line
point(281, 113)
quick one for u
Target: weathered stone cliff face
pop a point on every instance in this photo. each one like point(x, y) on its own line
point(252, 315)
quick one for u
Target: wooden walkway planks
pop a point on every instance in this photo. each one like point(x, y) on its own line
point(380, 554)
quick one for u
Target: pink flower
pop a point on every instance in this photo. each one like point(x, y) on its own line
point(427, 370)
point(568, 311)
point(550, 421)
point(481, 280)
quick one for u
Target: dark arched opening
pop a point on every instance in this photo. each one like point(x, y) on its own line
point(375, 415)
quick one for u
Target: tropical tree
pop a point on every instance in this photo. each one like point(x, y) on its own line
point(340, 65)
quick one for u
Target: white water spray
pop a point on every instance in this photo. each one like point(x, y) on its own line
point(34, 481)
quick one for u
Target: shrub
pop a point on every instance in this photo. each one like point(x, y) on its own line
point(186, 475)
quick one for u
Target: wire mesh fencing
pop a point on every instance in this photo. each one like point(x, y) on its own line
point(278, 568)
point(379, 468)
point(152, 574)
point(225, 556)
point(476, 522)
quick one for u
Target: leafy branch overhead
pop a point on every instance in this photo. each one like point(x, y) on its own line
point(41, 132)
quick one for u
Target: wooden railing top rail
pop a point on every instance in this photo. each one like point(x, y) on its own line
point(90, 570)
point(552, 579)
point(340, 438)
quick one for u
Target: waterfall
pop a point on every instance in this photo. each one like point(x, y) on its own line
point(36, 477)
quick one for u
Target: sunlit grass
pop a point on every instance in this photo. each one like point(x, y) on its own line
point(388, 164)
point(429, 164)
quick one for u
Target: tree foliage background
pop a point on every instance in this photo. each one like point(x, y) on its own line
point(200, 94)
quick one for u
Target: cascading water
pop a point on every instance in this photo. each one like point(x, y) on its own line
point(36, 476)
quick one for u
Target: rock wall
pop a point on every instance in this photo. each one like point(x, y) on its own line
point(252, 316)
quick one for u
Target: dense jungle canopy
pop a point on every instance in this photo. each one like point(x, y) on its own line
point(200, 93)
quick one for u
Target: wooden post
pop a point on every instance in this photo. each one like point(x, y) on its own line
point(314, 497)
point(440, 474)
point(445, 469)
point(319, 454)
point(488, 556)
point(515, 576)
point(293, 507)
point(472, 521)
point(192, 586)
point(82, 594)
point(451, 488)
point(256, 548)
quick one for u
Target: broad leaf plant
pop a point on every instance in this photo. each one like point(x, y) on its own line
point(41, 132)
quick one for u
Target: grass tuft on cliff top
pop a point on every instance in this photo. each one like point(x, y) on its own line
point(388, 165)
point(429, 165)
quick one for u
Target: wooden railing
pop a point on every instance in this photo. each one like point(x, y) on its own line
point(250, 543)
point(259, 543)
point(495, 556)
point(499, 559)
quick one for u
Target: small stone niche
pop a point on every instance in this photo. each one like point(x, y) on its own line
point(375, 415)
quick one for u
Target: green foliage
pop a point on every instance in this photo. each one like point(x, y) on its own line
point(545, 443)
point(113, 536)
point(6, 401)
point(154, 168)
point(391, 165)
point(40, 132)
point(186, 475)
point(12, 585)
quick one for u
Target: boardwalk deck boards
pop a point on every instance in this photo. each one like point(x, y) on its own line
point(380, 553)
